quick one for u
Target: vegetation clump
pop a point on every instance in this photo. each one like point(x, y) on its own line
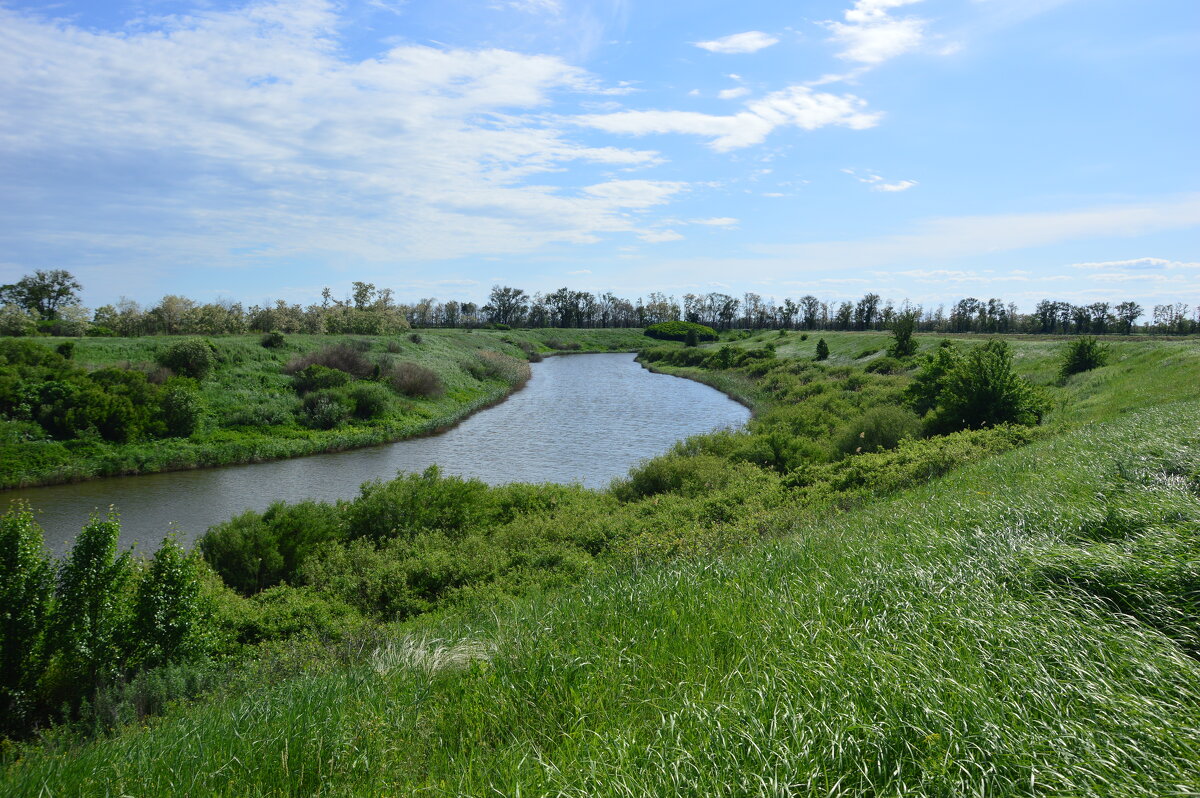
point(974, 390)
point(1083, 354)
point(191, 357)
point(273, 340)
point(678, 331)
point(822, 350)
point(411, 379)
point(347, 356)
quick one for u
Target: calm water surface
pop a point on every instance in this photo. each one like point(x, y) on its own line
point(582, 418)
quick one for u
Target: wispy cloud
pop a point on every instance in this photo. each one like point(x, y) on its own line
point(1139, 264)
point(732, 94)
point(878, 183)
point(249, 127)
point(749, 42)
point(796, 106)
point(870, 35)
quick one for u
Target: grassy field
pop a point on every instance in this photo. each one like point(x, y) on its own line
point(252, 413)
point(957, 616)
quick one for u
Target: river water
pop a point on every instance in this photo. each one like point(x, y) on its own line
point(585, 419)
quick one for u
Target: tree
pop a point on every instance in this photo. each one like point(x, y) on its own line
point(26, 579)
point(822, 350)
point(508, 305)
point(983, 390)
point(42, 292)
point(903, 344)
point(1127, 314)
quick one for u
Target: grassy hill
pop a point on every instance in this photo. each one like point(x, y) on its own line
point(992, 612)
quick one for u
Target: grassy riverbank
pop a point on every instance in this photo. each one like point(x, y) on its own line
point(248, 407)
point(1007, 611)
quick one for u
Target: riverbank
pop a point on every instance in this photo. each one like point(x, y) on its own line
point(250, 410)
point(992, 611)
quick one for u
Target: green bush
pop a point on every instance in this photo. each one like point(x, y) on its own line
point(981, 389)
point(326, 408)
point(182, 409)
point(191, 357)
point(1083, 354)
point(66, 349)
point(168, 616)
point(879, 428)
point(678, 331)
point(273, 340)
point(26, 580)
point(903, 327)
point(885, 365)
point(316, 377)
point(347, 357)
point(415, 503)
point(822, 350)
point(371, 399)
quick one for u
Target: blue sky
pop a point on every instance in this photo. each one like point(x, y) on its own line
point(921, 149)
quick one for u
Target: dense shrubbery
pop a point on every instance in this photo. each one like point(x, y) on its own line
point(1083, 354)
point(678, 331)
point(347, 357)
point(974, 389)
point(192, 357)
point(413, 380)
point(102, 618)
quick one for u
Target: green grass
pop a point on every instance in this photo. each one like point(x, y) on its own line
point(914, 647)
point(953, 617)
point(251, 406)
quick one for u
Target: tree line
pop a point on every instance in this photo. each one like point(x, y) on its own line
point(47, 302)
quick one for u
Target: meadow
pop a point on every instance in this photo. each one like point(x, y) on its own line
point(838, 600)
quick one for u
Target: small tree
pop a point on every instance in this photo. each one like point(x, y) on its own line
point(26, 579)
point(822, 349)
point(182, 408)
point(903, 344)
point(169, 619)
point(1082, 354)
point(983, 390)
point(192, 357)
point(692, 338)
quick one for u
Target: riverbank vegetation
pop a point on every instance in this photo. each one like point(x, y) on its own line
point(79, 409)
point(878, 586)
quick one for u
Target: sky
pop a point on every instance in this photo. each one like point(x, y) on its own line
point(919, 149)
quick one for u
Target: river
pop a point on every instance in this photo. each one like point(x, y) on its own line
point(583, 419)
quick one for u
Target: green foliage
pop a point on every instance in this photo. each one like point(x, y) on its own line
point(678, 331)
point(255, 551)
point(182, 408)
point(191, 357)
point(903, 345)
point(415, 337)
point(692, 338)
point(822, 350)
point(1083, 354)
point(16, 320)
point(879, 428)
point(975, 390)
point(885, 365)
point(26, 579)
point(273, 340)
point(415, 503)
point(169, 620)
point(371, 400)
point(346, 356)
point(42, 292)
point(66, 349)
point(316, 377)
point(326, 408)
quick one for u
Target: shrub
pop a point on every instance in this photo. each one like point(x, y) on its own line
point(563, 346)
point(346, 357)
point(497, 366)
point(803, 336)
point(415, 338)
point(531, 353)
point(395, 347)
point(270, 412)
point(922, 394)
point(983, 390)
point(273, 340)
point(371, 399)
point(66, 349)
point(254, 551)
point(822, 350)
point(879, 428)
point(678, 330)
point(191, 357)
point(415, 503)
point(169, 619)
point(903, 344)
point(692, 339)
point(182, 409)
point(413, 380)
point(325, 409)
point(885, 365)
point(1083, 354)
point(317, 377)
point(26, 579)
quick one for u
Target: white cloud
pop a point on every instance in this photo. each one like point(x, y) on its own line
point(1150, 264)
point(534, 6)
point(796, 106)
point(635, 193)
point(870, 36)
point(577, 272)
point(902, 185)
point(250, 130)
point(748, 42)
point(719, 221)
point(733, 94)
point(660, 236)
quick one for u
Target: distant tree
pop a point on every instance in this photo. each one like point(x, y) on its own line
point(42, 292)
point(1127, 314)
point(903, 344)
point(822, 350)
point(508, 305)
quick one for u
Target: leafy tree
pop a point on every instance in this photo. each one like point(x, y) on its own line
point(26, 579)
point(822, 350)
point(903, 344)
point(182, 408)
point(507, 305)
point(983, 390)
point(16, 320)
point(42, 292)
point(927, 385)
point(169, 619)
